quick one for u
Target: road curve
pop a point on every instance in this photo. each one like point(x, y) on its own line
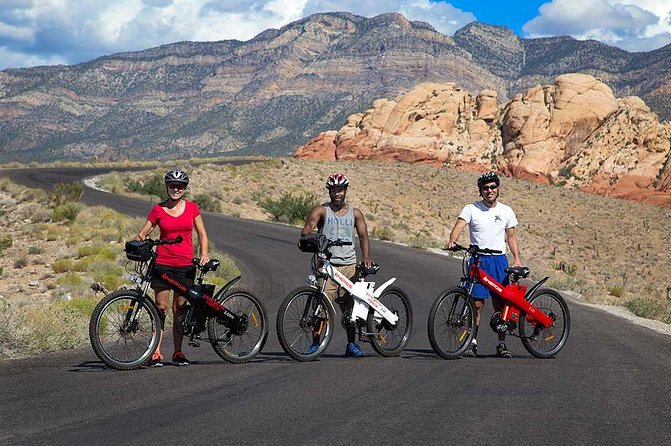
point(609, 385)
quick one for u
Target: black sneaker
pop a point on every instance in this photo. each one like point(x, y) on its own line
point(472, 350)
point(156, 360)
point(502, 351)
point(178, 358)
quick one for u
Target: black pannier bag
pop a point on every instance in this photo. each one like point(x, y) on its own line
point(138, 251)
point(312, 242)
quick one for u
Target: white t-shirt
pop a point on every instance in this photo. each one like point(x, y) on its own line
point(488, 225)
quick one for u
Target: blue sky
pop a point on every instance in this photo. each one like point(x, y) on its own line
point(47, 32)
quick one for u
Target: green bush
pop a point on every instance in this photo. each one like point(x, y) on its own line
point(290, 208)
point(207, 203)
point(152, 186)
point(67, 211)
point(63, 265)
point(5, 243)
point(21, 262)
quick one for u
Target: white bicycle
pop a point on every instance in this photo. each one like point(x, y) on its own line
point(306, 315)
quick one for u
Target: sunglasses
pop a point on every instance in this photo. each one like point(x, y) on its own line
point(176, 186)
point(490, 187)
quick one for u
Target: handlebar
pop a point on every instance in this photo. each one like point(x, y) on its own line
point(174, 241)
point(338, 243)
point(473, 249)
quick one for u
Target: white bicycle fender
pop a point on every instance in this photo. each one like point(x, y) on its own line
point(379, 291)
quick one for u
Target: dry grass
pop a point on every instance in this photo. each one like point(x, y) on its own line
point(611, 251)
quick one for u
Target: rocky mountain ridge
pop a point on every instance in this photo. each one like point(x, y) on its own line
point(275, 91)
point(574, 132)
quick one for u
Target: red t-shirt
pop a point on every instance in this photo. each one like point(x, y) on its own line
point(178, 254)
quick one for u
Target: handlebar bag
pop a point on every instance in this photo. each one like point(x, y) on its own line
point(139, 251)
point(311, 242)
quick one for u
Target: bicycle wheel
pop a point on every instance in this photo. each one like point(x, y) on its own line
point(238, 346)
point(124, 330)
point(390, 340)
point(544, 342)
point(451, 323)
point(305, 324)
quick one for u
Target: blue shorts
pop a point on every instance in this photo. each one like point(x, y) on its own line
point(495, 266)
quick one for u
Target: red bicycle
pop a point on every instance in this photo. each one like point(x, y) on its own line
point(538, 316)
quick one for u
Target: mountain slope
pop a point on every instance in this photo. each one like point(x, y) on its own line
point(274, 92)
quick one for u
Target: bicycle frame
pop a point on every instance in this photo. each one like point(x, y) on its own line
point(361, 291)
point(514, 294)
point(203, 301)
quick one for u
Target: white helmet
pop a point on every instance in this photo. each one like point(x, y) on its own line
point(337, 180)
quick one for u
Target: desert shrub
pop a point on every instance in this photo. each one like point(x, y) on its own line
point(650, 308)
point(382, 233)
point(2, 212)
point(5, 242)
point(21, 262)
point(67, 211)
point(207, 203)
point(154, 185)
point(70, 280)
point(63, 265)
point(53, 327)
point(616, 290)
point(8, 329)
point(33, 250)
point(564, 267)
point(99, 251)
point(66, 193)
point(289, 208)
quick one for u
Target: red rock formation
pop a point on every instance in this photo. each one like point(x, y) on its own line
point(574, 132)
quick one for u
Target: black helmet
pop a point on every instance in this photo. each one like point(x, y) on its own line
point(488, 177)
point(176, 176)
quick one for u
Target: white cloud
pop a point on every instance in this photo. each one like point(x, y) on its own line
point(634, 25)
point(73, 31)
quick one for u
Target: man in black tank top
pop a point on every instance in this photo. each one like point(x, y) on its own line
point(337, 220)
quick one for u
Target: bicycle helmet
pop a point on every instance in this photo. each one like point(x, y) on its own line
point(176, 176)
point(488, 177)
point(336, 180)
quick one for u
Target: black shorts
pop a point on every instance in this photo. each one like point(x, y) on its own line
point(185, 275)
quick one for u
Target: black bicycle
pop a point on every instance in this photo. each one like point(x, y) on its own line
point(125, 325)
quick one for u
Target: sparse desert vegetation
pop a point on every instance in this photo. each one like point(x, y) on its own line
point(51, 251)
point(610, 251)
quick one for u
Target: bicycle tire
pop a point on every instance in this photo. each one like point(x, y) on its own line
point(546, 342)
point(390, 341)
point(117, 344)
point(450, 334)
point(295, 332)
point(242, 347)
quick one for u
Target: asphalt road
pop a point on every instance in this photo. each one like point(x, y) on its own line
point(611, 384)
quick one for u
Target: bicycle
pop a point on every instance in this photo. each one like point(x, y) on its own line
point(306, 314)
point(540, 315)
point(125, 326)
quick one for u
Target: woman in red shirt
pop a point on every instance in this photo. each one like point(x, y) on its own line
point(174, 217)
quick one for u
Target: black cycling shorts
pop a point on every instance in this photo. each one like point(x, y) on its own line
point(185, 275)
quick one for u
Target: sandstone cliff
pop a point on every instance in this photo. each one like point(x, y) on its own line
point(573, 133)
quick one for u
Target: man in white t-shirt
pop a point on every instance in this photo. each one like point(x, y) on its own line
point(491, 224)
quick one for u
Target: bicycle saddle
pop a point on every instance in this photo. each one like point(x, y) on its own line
point(518, 272)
